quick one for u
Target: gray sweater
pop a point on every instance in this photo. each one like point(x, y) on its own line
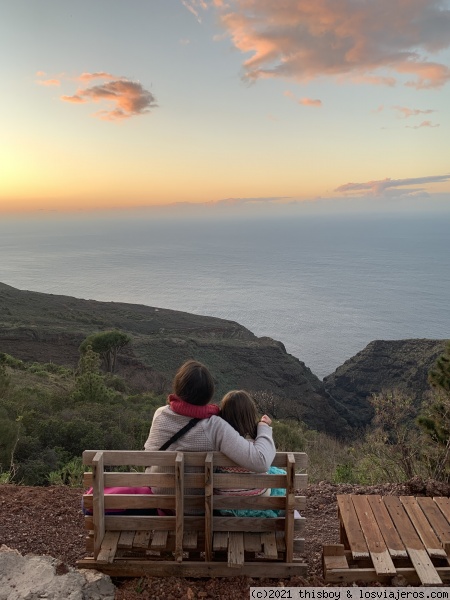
point(213, 434)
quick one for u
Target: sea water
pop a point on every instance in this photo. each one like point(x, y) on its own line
point(324, 286)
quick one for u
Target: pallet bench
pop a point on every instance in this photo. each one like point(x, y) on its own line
point(390, 536)
point(192, 539)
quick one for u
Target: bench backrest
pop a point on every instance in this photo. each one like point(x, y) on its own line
point(197, 472)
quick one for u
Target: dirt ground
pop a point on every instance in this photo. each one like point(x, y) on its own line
point(48, 520)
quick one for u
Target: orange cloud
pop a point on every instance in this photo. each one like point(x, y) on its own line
point(303, 101)
point(130, 98)
point(310, 102)
point(377, 41)
point(74, 99)
point(49, 82)
point(97, 75)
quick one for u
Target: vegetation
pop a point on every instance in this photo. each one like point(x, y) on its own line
point(50, 414)
point(107, 344)
point(47, 422)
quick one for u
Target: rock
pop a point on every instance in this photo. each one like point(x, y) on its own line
point(382, 365)
point(31, 577)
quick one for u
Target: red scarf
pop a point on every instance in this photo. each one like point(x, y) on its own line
point(181, 407)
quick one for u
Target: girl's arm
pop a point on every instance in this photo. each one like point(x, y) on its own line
point(256, 455)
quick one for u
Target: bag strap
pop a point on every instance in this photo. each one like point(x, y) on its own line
point(178, 434)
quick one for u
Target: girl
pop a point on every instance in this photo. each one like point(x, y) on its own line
point(239, 410)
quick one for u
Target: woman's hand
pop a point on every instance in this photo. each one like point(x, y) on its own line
point(267, 420)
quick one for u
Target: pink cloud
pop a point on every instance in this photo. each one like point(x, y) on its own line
point(412, 112)
point(128, 97)
point(375, 41)
point(390, 187)
point(423, 124)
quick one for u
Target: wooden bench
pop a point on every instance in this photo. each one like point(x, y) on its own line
point(390, 536)
point(193, 539)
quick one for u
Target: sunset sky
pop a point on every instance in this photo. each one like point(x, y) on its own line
point(114, 104)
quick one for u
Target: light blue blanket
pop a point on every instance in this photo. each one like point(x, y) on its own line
point(269, 513)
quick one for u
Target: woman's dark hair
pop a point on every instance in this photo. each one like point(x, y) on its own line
point(193, 383)
point(239, 410)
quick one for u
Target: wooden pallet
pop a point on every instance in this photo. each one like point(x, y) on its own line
point(387, 537)
point(194, 538)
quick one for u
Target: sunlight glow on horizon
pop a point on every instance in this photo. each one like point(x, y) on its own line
point(184, 119)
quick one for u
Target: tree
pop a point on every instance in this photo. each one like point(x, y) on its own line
point(435, 417)
point(5, 380)
point(107, 344)
point(392, 447)
point(439, 376)
point(90, 385)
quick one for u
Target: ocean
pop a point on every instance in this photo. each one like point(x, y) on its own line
point(325, 286)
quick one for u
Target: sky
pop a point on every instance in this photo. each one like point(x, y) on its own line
point(224, 104)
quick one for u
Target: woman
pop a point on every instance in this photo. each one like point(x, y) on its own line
point(193, 388)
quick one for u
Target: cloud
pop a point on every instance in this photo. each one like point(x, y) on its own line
point(49, 82)
point(304, 101)
point(392, 187)
point(54, 81)
point(129, 98)
point(380, 42)
point(423, 124)
point(194, 7)
point(97, 75)
point(412, 112)
point(310, 102)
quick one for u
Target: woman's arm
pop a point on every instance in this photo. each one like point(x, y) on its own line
point(254, 455)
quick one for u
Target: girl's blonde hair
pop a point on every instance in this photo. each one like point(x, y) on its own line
point(239, 409)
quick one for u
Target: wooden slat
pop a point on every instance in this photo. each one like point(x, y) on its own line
point(159, 540)
point(254, 480)
point(334, 558)
point(444, 506)
point(126, 539)
point(423, 527)
point(147, 459)
point(140, 501)
point(252, 542)
point(190, 540)
point(179, 506)
point(436, 518)
point(220, 541)
point(257, 502)
point(254, 524)
point(390, 535)
point(98, 501)
point(378, 551)
point(208, 506)
point(142, 539)
point(281, 542)
point(414, 547)
point(290, 507)
point(269, 543)
point(137, 568)
point(352, 527)
point(109, 547)
point(236, 549)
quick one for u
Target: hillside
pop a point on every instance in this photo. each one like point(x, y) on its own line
point(382, 365)
point(49, 328)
